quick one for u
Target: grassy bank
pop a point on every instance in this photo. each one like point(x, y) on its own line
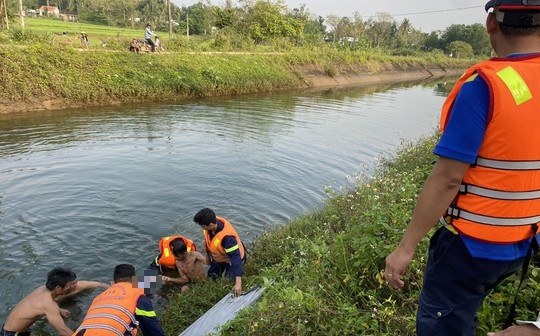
point(327, 265)
point(51, 76)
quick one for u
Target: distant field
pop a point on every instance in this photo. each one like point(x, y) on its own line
point(57, 27)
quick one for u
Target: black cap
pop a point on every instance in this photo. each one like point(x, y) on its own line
point(516, 13)
point(514, 5)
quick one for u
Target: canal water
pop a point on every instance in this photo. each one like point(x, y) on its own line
point(91, 188)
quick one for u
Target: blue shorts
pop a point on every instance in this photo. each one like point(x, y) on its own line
point(455, 285)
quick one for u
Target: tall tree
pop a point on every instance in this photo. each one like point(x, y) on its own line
point(475, 35)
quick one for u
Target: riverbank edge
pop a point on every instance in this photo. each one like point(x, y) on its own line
point(308, 77)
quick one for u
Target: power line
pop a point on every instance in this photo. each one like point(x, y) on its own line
point(438, 11)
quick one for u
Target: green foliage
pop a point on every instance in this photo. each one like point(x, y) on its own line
point(460, 49)
point(326, 266)
point(475, 35)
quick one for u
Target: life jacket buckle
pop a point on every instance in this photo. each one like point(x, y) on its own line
point(453, 212)
point(464, 189)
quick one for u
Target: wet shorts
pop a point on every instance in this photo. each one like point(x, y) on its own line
point(4, 332)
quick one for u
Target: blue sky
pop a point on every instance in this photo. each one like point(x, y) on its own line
point(426, 15)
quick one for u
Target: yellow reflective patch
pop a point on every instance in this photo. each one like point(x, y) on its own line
point(216, 242)
point(145, 313)
point(515, 83)
point(234, 248)
point(167, 252)
point(470, 79)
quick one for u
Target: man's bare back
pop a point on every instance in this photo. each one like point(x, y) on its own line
point(37, 304)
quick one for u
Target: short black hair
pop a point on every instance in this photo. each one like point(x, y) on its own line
point(205, 216)
point(124, 273)
point(178, 247)
point(59, 277)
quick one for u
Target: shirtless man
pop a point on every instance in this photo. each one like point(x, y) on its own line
point(61, 283)
point(188, 264)
point(41, 302)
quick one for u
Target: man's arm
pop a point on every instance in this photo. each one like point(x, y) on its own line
point(202, 258)
point(231, 245)
point(181, 280)
point(81, 286)
point(52, 312)
point(438, 192)
point(519, 330)
point(148, 321)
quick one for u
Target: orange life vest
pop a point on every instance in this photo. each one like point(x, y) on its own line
point(113, 312)
point(499, 199)
point(219, 254)
point(166, 258)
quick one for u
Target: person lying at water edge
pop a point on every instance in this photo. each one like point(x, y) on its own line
point(189, 264)
point(42, 302)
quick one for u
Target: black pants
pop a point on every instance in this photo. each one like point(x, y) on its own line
point(151, 43)
point(4, 332)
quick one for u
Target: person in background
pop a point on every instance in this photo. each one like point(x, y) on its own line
point(485, 180)
point(135, 46)
point(42, 302)
point(189, 264)
point(84, 40)
point(122, 308)
point(157, 42)
point(224, 249)
point(148, 33)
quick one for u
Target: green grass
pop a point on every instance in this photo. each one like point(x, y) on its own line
point(327, 265)
point(52, 26)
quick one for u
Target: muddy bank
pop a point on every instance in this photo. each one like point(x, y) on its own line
point(309, 76)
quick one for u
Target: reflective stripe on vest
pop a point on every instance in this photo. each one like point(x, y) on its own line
point(102, 327)
point(109, 316)
point(508, 165)
point(499, 194)
point(460, 213)
point(129, 329)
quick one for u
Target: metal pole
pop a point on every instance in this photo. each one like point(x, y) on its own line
point(5, 12)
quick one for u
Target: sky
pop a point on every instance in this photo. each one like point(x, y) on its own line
point(425, 15)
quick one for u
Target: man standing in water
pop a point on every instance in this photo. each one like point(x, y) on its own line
point(485, 182)
point(42, 302)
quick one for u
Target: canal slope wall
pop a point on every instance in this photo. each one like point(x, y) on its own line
point(62, 79)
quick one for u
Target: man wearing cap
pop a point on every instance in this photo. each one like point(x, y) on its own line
point(486, 180)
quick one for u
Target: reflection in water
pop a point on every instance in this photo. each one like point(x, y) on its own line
point(89, 189)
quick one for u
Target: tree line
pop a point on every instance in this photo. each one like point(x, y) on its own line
point(269, 22)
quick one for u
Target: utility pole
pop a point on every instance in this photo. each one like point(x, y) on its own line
point(21, 13)
point(187, 24)
point(170, 18)
point(5, 12)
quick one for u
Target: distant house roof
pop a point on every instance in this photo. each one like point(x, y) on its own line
point(48, 8)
